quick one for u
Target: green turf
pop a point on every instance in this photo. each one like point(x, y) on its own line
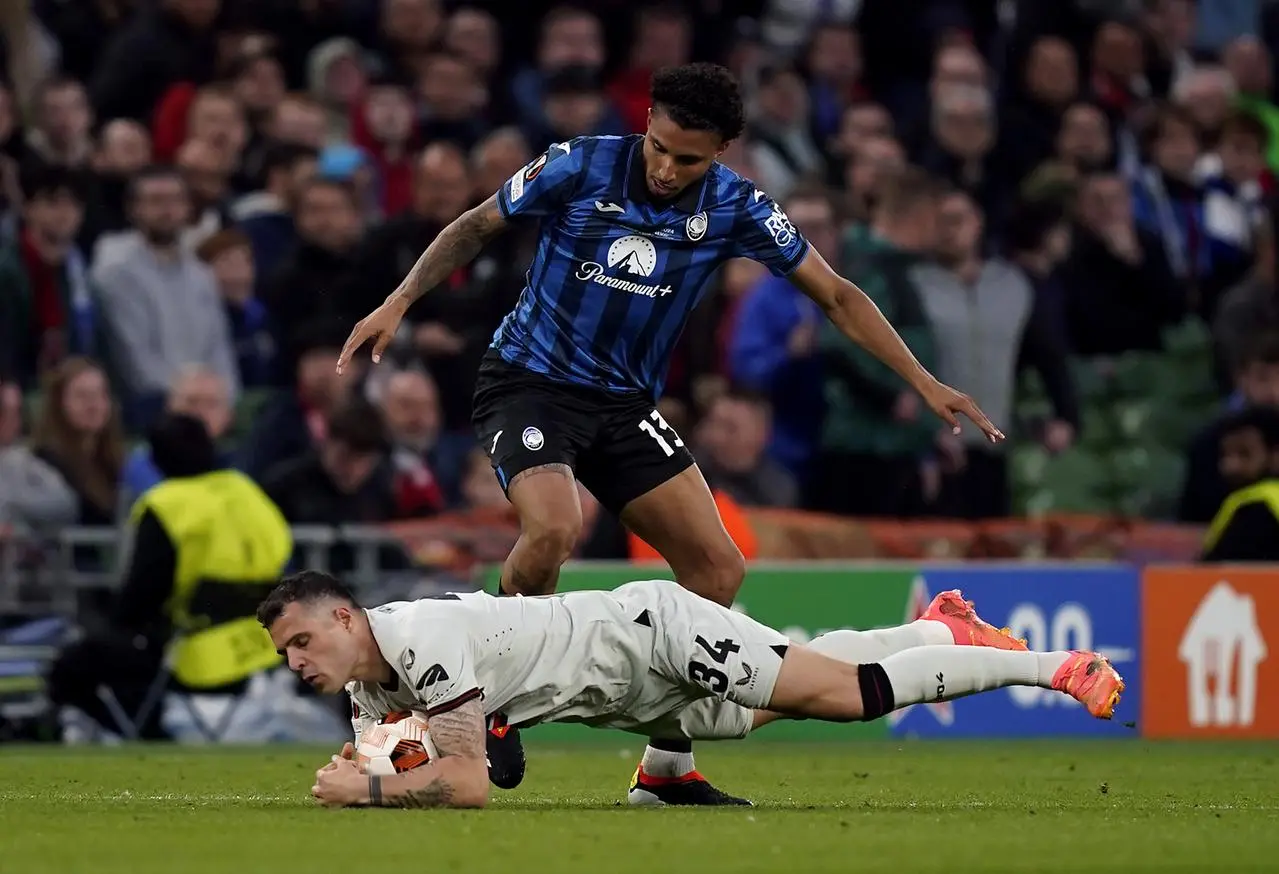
point(861, 807)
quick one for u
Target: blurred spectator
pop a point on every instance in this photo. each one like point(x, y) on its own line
point(337, 79)
point(876, 430)
point(1249, 63)
point(480, 488)
point(33, 495)
point(964, 131)
point(570, 36)
point(1256, 383)
point(63, 121)
point(862, 122)
point(573, 104)
point(123, 149)
point(1033, 117)
point(452, 325)
point(496, 159)
point(257, 80)
point(1122, 292)
point(214, 117)
point(1118, 68)
point(1207, 92)
point(663, 38)
point(347, 479)
point(731, 441)
point(1218, 23)
point(84, 30)
point(833, 64)
point(297, 119)
point(208, 175)
point(979, 313)
point(1167, 203)
point(867, 170)
point(160, 303)
point(781, 148)
point(410, 406)
point(773, 350)
point(1083, 140)
point(1234, 211)
point(1251, 308)
point(196, 392)
point(317, 278)
point(409, 29)
point(173, 42)
point(1169, 28)
point(452, 100)
point(78, 433)
point(266, 216)
point(293, 421)
point(786, 23)
point(472, 34)
point(229, 255)
point(384, 129)
point(204, 546)
point(47, 306)
point(1246, 528)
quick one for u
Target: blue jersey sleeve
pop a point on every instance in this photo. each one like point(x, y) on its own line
point(545, 185)
point(766, 235)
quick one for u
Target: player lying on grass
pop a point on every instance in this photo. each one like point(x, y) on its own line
point(649, 657)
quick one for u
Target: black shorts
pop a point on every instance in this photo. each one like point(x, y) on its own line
point(617, 444)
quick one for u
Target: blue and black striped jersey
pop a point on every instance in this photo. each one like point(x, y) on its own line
point(616, 275)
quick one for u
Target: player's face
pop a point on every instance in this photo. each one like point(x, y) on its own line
point(318, 642)
point(675, 157)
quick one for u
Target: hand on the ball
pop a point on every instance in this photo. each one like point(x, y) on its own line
point(340, 784)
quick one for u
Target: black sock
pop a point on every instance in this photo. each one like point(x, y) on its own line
point(877, 692)
point(671, 746)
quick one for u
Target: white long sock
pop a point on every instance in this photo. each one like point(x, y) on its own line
point(863, 647)
point(941, 673)
point(664, 763)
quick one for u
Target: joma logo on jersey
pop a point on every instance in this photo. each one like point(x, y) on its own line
point(630, 255)
point(432, 675)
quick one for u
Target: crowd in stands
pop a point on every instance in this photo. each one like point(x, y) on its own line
point(199, 198)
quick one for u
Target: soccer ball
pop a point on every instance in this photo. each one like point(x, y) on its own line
point(400, 742)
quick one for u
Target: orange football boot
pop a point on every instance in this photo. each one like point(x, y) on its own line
point(969, 629)
point(1092, 680)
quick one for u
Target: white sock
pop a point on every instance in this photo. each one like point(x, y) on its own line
point(864, 647)
point(935, 673)
point(664, 763)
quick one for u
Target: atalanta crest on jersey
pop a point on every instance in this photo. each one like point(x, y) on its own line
point(695, 227)
point(533, 439)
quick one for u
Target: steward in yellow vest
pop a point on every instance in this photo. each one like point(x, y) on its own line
point(206, 547)
point(1246, 527)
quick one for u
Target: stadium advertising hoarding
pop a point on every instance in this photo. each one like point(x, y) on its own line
point(1211, 660)
point(1054, 607)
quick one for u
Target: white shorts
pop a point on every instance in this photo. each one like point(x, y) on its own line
point(710, 669)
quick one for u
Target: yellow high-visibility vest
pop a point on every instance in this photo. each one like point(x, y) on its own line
point(1266, 490)
point(232, 544)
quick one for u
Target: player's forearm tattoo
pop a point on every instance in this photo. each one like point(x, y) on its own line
point(437, 793)
point(456, 245)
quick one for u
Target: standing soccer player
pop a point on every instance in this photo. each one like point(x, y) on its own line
point(632, 230)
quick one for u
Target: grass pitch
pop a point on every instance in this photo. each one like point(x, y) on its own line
point(861, 807)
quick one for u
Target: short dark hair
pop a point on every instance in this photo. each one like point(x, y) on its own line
point(40, 180)
point(345, 188)
point(1030, 222)
point(700, 97)
point(573, 80)
point(285, 156)
point(1260, 349)
point(1263, 419)
point(181, 446)
point(357, 424)
point(908, 190)
point(1243, 123)
point(304, 587)
point(151, 173)
point(1167, 115)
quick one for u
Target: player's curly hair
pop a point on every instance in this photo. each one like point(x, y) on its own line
point(700, 97)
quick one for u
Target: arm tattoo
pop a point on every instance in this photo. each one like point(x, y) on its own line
point(458, 733)
point(456, 245)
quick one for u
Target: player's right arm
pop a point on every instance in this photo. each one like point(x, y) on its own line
point(457, 778)
point(536, 190)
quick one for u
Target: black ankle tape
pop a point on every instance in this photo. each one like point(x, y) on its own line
point(502, 592)
point(877, 692)
point(671, 746)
